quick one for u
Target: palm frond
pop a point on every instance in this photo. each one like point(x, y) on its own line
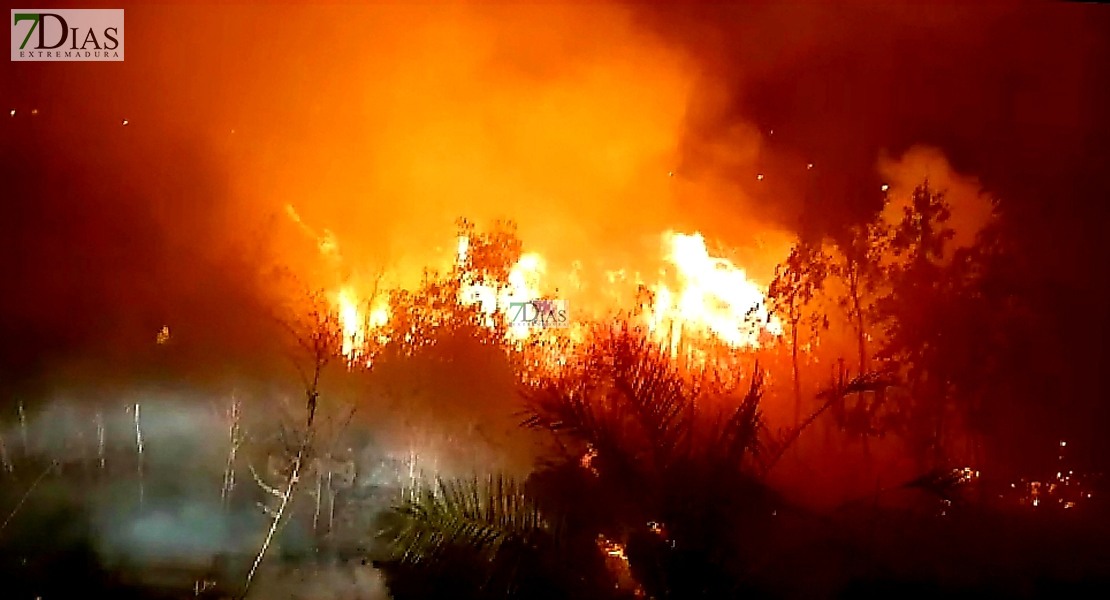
point(658, 397)
point(738, 437)
point(469, 516)
point(868, 382)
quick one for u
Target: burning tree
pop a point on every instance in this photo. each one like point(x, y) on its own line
point(470, 296)
point(857, 272)
point(797, 282)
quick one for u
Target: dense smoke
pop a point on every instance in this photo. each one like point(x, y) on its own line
point(161, 192)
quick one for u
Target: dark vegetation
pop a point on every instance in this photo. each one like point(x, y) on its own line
point(663, 468)
point(658, 478)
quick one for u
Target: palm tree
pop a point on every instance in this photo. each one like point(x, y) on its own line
point(473, 538)
point(658, 469)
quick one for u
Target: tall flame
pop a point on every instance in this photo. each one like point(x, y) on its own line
point(497, 302)
point(357, 322)
point(697, 298)
point(713, 298)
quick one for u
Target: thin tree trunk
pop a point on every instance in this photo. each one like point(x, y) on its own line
point(23, 427)
point(312, 393)
point(4, 455)
point(862, 340)
point(139, 453)
point(285, 497)
point(100, 441)
point(797, 380)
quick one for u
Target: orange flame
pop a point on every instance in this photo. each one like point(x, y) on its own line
point(698, 298)
point(523, 285)
point(713, 298)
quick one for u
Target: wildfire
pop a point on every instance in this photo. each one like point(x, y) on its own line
point(698, 298)
point(617, 561)
point(499, 302)
point(713, 298)
point(612, 549)
point(358, 325)
point(354, 336)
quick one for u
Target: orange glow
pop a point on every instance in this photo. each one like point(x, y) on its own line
point(713, 298)
point(497, 303)
point(359, 326)
point(354, 333)
point(574, 130)
point(697, 299)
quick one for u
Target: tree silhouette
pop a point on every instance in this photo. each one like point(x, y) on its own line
point(795, 285)
point(916, 319)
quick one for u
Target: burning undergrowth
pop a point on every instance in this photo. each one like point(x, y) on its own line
point(651, 432)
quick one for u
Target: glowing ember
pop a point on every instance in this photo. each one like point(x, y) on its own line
point(966, 475)
point(617, 561)
point(587, 461)
point(613, 549)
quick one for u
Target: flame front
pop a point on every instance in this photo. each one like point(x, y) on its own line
point(358, 325)
point(713, 298)
point(354, 334)
point(697, 298)
point(496, 302)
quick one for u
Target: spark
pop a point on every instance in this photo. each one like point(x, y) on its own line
point(125, 121)
point(759, 177)
point(885, 187)
point(34, 111)
point(12, 113)
point(809, 166)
